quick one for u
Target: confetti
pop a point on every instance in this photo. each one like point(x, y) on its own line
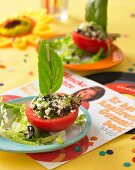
point(127, 164)
point(130, 69)
point(102, 153)
point(1, 84)
point(78, 149)
point(31, 73)
point(2, 66)
point(10, 69)
point(133, 159)
point(133, 150)
point(132, 14)
point(93, 138)
point(25, 61)
point(109, 152)
point(133, 137)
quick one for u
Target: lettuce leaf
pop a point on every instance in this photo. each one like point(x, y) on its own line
point(14, 123)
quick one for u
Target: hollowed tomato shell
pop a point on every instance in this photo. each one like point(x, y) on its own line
point(89, 44)
point(51, 125)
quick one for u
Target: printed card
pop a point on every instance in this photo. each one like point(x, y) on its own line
point(112, 115)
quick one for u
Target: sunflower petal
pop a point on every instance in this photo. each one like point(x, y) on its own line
point(41, 26)
point(20, 43)
point(5, 42)
point(32, 39)
point(34, 14)
point(46, 19)
point(43, 32)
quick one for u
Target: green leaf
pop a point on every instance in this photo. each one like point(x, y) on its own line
point(52, 137)
point(97, 56)
point(80, 120)
point(59, 140)
point(50, 72)
point(96, 10)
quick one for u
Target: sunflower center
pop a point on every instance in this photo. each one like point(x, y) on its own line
point(16, 27)
point(12, 24)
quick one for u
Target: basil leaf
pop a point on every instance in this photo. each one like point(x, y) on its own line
point(50, 72)
point(96, 10)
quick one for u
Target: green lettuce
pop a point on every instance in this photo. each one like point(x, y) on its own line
point(14, 123)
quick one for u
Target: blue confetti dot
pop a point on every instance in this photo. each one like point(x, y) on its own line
point(109, 152)
point(127, 164)
point(78, 148)
point(102, 153)
point(1, 84)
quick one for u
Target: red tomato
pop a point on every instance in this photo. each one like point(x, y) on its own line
point(52, 125)
point(89, 44)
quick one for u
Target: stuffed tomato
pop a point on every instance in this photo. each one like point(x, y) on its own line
point(53, 113)
point(91, 38)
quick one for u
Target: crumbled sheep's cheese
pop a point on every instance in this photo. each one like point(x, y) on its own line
point(72, 111)
point(39, 99)
point(39, 105)
point(47, 111)
point(47, 107)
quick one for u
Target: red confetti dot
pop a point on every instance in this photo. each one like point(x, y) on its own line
point(93, 138)
point(133, 159)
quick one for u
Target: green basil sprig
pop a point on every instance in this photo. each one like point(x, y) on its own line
point(96, 10)
point(50, 70)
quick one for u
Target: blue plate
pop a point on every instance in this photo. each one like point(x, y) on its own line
point(73, 135)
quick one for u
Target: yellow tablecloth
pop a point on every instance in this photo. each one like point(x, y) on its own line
point(21, 67)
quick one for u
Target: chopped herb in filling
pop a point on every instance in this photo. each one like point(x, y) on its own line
point(91, 30)
point(50, 107)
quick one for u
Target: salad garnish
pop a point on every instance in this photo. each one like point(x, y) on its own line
point(49, 114)
point(71, 54)
point(96, 41)
point(15, 126)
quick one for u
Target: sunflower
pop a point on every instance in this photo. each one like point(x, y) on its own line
point(25, 29)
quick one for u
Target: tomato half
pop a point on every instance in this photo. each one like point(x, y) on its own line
point(52, 125)
point(89, 44)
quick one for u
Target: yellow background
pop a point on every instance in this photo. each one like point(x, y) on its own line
point(119, 20)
